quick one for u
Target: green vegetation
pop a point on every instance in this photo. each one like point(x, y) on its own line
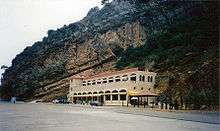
point(182, 50)
point(104, 2)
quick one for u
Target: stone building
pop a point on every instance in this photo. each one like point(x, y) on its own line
point(125, 87)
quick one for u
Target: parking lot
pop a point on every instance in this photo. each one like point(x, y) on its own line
point(56, 117)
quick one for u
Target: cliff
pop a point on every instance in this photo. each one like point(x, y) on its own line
point(91, 45)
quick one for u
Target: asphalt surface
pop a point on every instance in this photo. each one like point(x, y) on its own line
point(58, 117)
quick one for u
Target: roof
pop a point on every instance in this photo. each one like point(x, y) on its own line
point(111, 73)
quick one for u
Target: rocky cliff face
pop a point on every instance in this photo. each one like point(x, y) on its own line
point(88, 46)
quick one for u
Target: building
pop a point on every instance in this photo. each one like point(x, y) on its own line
point(123, 87)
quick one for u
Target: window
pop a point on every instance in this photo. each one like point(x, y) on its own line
point(89, 83)
point(148, 79)
point(117, 79)
point(114, 91)
point(142, 88)
point(99, 81)
point(104, 80)
point(140, 78)
point(93, 82)
point(123, 97)
point(115, 97)
point(151, 79)
point(124, 78)
point(84, 83)
point(107, 97)
point(133, 77)
point(110, 80)
point(134, 88)
point(143, 78)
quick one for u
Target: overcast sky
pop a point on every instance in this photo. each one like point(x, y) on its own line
point(22, 22)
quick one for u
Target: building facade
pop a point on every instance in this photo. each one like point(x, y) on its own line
point(114, 88)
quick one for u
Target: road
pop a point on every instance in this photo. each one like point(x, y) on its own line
point(58, 117)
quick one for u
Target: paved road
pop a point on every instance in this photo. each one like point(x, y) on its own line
point(50, 117)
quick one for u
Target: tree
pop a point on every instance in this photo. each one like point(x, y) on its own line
point(4, 67)
point(104, 2)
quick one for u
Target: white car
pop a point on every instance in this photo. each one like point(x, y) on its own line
point(55, 101)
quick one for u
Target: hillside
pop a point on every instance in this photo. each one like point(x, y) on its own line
point(178, 40)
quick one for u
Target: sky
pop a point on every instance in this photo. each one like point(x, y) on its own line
point(23, 22)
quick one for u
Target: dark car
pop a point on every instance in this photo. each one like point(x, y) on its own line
point(95, 103)
point(63, 101)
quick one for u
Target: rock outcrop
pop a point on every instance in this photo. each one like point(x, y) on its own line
point(88, 46)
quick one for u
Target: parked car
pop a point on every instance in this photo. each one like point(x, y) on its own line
point(95, 103)
point(60, 101)
point(63, 101)
point(55, 101)
point(38, 101)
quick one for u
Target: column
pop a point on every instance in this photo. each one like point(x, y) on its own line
point(127, 98)
point(111, 98)
point(104, 99)
point(118, 98)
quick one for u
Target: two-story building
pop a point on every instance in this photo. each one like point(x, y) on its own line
point(114, 88)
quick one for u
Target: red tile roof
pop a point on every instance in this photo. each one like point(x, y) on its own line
point(111, 73)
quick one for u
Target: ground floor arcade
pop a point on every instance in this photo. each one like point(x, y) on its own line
point(116, 98)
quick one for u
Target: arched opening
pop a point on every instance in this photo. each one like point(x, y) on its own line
point(123, 94)
point(101, 92)
point(75, 94)
point(114, 91)
point(107, 96)
point(84, 93)
point(122, 91)
point(95, 93)
point(115, 96)
point(107, 92)
point(79, 93)
point(89, 92)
